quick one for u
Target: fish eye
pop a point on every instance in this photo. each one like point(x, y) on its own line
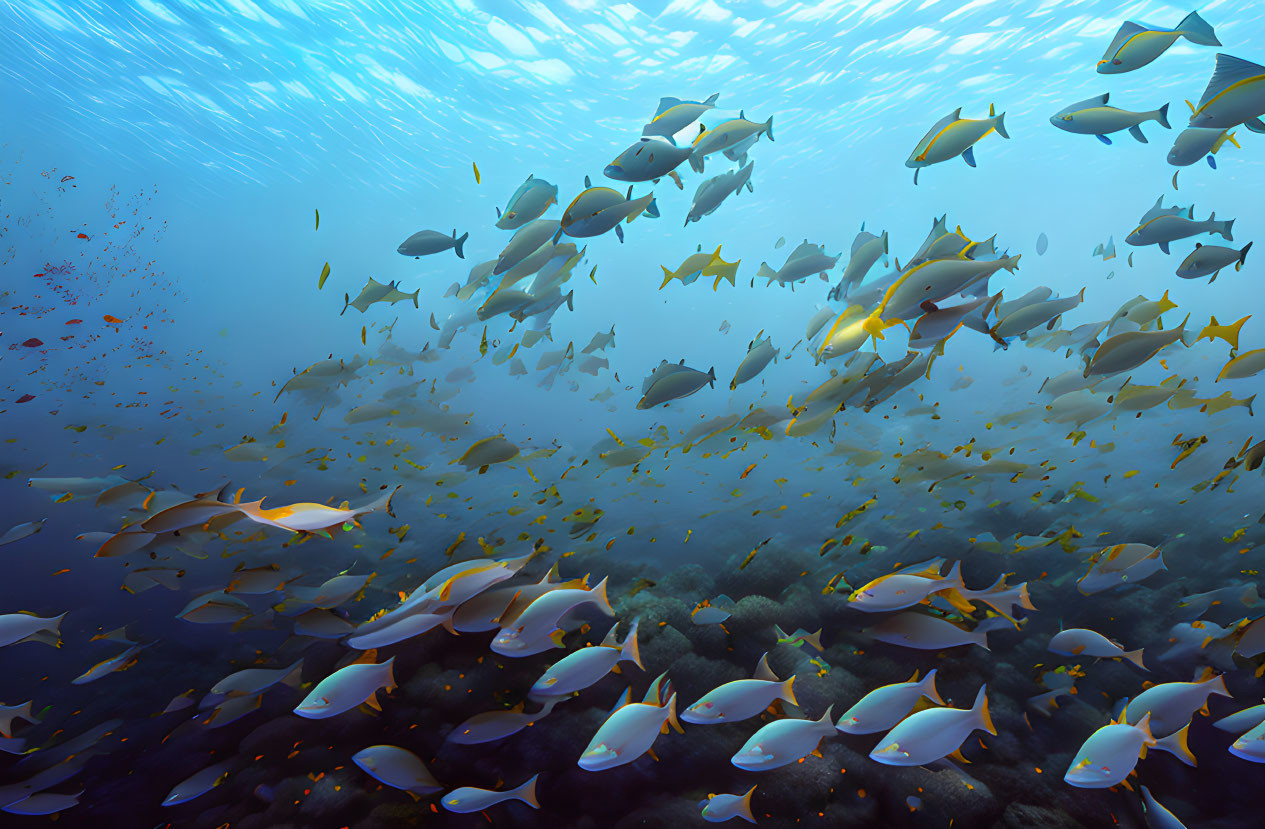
point(1117, 62)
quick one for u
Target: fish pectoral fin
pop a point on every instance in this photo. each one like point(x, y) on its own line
point(968, 155)
point(1164, 246)
point(653, 756)
point(1104, 139)
point(1136, 132)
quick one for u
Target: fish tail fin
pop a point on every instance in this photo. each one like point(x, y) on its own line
point(1176, 745)
point(667, 277)
point(1161, 117)
point(571, 300)
point(696, 162)
point(711, 99)
point(630, 651)
point(1010, 263)
point(1136, 658)
point(459, 243)
point(527, 792)
point(999, 124)
point(598, 595)
point(827, 719)
point(711, 375)
point(744, 806)
point(981, 708)
point(1243, 256)
point(765, 272)
point(1218, 685)
point(768, 128)
point(1225, 230)
point(346, 304)
point(929, 688)
point(787, 691)
point(1195, 29)
point(415, 295)
point(672, 720)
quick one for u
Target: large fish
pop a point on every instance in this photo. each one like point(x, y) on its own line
point(647, 160)
point(1093, 117)
point(1135, 45)
point(673, 115)
point(713, 191)
point(1235, 95)
point(729, 134)
point(599, 209)
point(672, 382)
point(529, 202)
point(954, 136)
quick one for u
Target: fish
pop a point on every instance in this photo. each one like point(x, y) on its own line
point(713, 191)
point(580, 669)
point(529, 202)
point(649, 159)
point(806, 260)
point(702, 264)
point(671, 382)
point(21, 531)
point(427, 242)
point(497, 725)
point(631, 729)
point(483, 453)
point(256, 680)
point(905, 588)
point(741, 699)
point(1030, 316)
point(673, 115)
point(1234, 95)
point(468, 799)
point(198, 784)
point(785, 741)
point(919, 288)
point(1130, 349)
point(1210, 259)
point(718, 808)
point(396, 767)
point(1194, 143)
point(1083, 642)
point(954, 136)
point(537, 627)
point(1136, 45)
point(922, 632)
point(760, 352)
point(1247, 364)
point(1171, 705)
point(1162, 226)
point(16, 628)
point(599, 209)
point(1158, 817)
point(347, 688)
point(1093, 117)
point(728, 134)
point(1110, 754)
point(883, 708)
point(933, 733)
point(529, 238)
point(374, 292)
point(866, 250)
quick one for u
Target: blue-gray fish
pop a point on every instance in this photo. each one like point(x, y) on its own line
point(672, 382)
point(1135, 45)
point(529, 202)
point(673, 115)
point(1093, 117)
point(1235, 95)
point(426, 242)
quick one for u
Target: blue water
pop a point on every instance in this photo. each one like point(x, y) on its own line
point(161, 164)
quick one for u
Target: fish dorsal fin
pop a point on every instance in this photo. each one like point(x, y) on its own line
point(742, 115)
point(666, 104)
point(625, 699)
point(1096, 101)
point(763, 671)
point(587, 182)
point(1230, 70)
point(1127, 30)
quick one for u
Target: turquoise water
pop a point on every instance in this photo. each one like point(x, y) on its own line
point(163, 168)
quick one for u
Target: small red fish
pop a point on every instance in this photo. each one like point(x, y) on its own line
point(73, 322)
point(84, 236)
point(67, 178)
point(26, 398)
point(33, 343)
point(110, 318)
